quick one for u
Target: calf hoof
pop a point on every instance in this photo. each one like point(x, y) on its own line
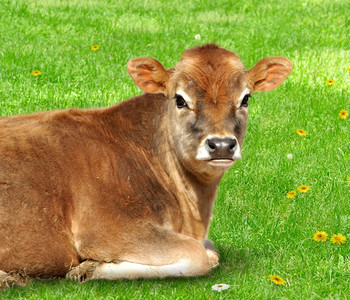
point(213, 256)
point(82, 272)
point(11, 280)
point(213, 259)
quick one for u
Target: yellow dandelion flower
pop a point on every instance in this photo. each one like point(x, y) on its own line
point(320, 236)
point(349, 179)
point(330, 82)
point(277, 280)
point(301, 132)
point(36, 73)
point(348, 69)
point(95, 47)
point(303, 188)
point(291, 194)
point(338, 239)
point(343, 114)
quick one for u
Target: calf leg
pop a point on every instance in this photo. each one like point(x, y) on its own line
point(176, 255)
point(182, 267)
point(132, 270)
point(128, 270)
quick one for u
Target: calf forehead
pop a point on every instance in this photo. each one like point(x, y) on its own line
point(211, 73)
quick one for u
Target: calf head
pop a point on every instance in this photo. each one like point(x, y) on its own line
point(208, 93)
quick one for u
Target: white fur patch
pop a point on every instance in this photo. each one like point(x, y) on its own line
point(202, 152)
point(132, 270)
point(237, 154)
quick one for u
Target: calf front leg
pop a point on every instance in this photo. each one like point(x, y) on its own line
point(176, 256)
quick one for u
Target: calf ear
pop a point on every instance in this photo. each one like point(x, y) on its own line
point(149, 75)
point(269, 73)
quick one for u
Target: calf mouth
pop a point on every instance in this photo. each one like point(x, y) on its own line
point(221, 162)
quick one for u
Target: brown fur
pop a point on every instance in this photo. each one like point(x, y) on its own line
point(122, 183)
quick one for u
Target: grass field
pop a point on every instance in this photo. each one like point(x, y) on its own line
point(257, 229)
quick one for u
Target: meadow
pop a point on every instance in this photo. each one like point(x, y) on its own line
point(258, 226)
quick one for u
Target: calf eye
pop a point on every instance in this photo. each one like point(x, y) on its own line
point(180, 101)
point(244, 102)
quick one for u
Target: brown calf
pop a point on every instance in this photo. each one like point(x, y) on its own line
point(127, 191)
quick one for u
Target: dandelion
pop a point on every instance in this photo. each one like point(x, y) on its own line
point(348, 69)
point(349, 179)
point(330, 82)
point(95, 47)
point(220, 287)
point(343, 114)
point(291, 194)
point(303, 188)
point(36, 73)
point(277, 280)
point(301, 132)
point(338, 239)
point(320, 236)
point(197, 37)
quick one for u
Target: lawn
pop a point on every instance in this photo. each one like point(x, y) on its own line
point(256, 228)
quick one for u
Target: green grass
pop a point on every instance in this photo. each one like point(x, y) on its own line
point(256, 228)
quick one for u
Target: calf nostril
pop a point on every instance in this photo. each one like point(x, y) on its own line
point(233, 145)
point(211, 144)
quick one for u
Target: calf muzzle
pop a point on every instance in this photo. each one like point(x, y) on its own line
point(221, 148)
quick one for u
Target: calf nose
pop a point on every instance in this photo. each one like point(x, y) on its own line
point(221, 148)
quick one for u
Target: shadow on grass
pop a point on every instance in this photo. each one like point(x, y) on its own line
point(235, 260)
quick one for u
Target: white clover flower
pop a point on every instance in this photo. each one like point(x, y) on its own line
point(220, 287)
point(290, 156)
point(197, 37)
